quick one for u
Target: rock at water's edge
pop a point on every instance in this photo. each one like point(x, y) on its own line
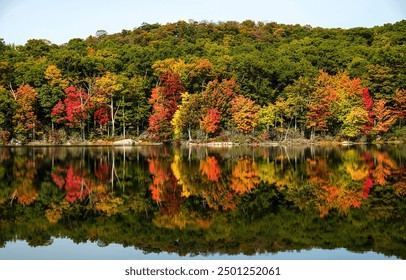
point(125, 142)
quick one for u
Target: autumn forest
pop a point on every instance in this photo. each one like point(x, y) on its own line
point(229, 81)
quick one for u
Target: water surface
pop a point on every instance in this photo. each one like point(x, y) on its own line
point(203, 203)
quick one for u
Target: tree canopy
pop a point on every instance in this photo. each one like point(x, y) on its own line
point(308, 80)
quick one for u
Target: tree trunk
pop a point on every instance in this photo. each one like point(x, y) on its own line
point(82, 132)
point(112, 117)
point(123, 118)
point(189, 133)
point(287, 130)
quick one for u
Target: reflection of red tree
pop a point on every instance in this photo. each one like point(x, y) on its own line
point(58, 180)
point(75, 186)
point(210, 167)
point(75, 182)
point(165, 188)
point(369, 182)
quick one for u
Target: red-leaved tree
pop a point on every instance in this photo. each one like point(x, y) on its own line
point(74, 111)
point(164, 100)
point(368, 105)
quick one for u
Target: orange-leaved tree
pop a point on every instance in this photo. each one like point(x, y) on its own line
point(384, 117)
point(209, 122)
point(244, 113)
point(25, 118)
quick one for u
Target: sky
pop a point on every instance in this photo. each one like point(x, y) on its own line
point(61, 20)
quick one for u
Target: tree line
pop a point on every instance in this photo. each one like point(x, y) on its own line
point(195, 80)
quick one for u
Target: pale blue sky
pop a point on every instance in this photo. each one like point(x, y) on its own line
point(61, 20)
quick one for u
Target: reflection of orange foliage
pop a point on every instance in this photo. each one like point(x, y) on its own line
point(24, 172)
point(384, 167)
point(341, 199)
point(245, 176)
point(156, 193)
point(25, 196)
point(210, 167)
point(220, 196)
point(160, 175)
point(165, 188)
point(318, 171)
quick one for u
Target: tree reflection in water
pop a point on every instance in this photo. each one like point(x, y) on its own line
point(202, 200)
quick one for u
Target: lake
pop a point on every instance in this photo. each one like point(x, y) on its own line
point(164, 202)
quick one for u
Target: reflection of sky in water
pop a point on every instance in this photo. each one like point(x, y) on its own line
point(65, 249)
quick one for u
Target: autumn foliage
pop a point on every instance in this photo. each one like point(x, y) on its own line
point(164, 100)
point(244, 113)
point(25, 119)
point(384, 117)
point(209, 122)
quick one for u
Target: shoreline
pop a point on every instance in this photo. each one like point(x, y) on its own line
point(220, 144)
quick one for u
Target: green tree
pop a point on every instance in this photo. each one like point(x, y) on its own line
point(137, 108)
point(7, 107)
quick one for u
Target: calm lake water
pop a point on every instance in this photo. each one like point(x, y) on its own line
point(203, 203)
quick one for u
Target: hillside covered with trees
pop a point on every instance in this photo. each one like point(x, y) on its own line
point(200, 80)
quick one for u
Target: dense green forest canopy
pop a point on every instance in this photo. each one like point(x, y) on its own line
point(265, 79)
